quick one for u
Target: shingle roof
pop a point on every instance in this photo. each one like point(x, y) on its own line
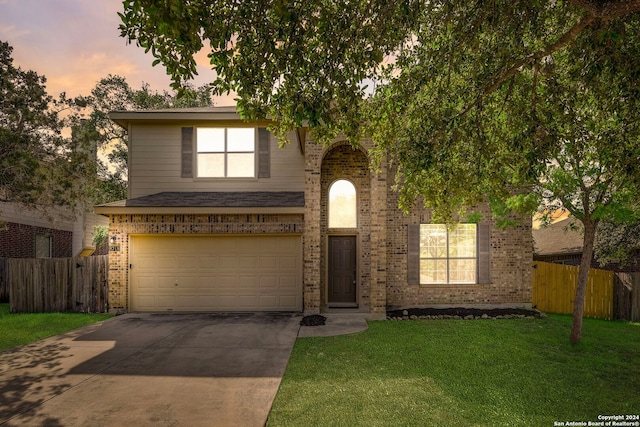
point(558, 238)
point(219, 199)
point(209, 109)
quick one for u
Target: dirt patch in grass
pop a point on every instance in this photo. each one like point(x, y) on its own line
point(462, 313)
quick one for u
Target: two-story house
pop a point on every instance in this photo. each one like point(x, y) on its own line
point(219, 218)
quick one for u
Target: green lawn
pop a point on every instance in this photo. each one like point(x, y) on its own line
point(462, 373)
point(19, 329)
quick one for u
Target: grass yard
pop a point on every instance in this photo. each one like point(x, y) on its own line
point(19, 329)
point(462, 373)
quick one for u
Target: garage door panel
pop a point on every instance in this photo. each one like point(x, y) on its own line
point(164, 262)
point(157, 302)
point(268, 282)
point(206, 262)
point(287, 301)
point(147, 262)
point(247, 282)
point(268, 262)
point(287, 262)
point(216, 273)
point(287, 282)
point(146, 282)
point(186, 262)
point(165, 282)
point(269, 302)
point(184, 302)
point(236, 262)
point(188, 283)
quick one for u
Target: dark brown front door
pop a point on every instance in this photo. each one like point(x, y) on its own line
point(342, 270)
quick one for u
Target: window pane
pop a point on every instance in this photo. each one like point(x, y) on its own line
point(211, 165)
point(448, 255)
point(210, 140)
point(343, 211)
point(433, 241)
point(43, 246)
point(240, 165)
point(241, 139)
point(433, 271)
point(462, 241)
point(462, 271)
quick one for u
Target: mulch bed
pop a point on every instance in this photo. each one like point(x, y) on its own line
point(462, 313)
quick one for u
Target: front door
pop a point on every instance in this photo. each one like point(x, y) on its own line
point(342, 271)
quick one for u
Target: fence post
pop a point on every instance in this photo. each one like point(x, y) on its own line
point(4, 282)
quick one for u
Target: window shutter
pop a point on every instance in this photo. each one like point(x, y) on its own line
point(484, 253)
point(187, 152)
point(413, 254)
point(264, 153)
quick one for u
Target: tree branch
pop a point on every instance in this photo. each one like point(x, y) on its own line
point(608, 9)
point(562, 42)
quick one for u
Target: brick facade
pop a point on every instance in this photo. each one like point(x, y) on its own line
point(382, 240)
point(511, 255)
point(19, 241)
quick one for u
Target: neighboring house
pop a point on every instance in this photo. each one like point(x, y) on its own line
point(561, 243)
point(558, 242)
point(219, 218)
point(28, 234)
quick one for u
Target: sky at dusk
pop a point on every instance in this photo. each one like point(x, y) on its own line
point(74, 43)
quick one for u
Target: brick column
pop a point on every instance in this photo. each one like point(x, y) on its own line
point(379, 240)
point(118, 265)
point(311, 235)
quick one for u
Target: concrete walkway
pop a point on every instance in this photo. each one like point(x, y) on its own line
point(157, 370)
point(338, 324)
point(150, 370)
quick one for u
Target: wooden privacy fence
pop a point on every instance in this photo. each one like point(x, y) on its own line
point(58, 284)
point(554, 290)
point(4, 283)
point(626, 302)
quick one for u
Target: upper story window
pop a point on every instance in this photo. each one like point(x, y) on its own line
point(448, 255)
point(226, 152)
point(343, 212)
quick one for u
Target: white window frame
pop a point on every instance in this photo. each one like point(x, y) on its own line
point(225, 152)
point(449, 258)
point(332, 206)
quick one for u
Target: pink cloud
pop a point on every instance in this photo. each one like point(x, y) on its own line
point(74, 43)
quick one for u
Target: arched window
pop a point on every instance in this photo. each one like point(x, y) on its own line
point(343, 212)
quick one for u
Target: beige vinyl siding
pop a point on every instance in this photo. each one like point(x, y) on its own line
point(155, 165)
point(84, 229)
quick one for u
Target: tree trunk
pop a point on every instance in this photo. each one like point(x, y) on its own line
point(583, 274)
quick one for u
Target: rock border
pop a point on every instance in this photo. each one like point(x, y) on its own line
point(461, 313)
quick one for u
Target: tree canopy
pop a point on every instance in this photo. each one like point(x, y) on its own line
point(523, 104)
point(448, 80)
point(39, 168)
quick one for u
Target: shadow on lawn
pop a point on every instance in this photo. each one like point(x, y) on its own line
point(29, 378)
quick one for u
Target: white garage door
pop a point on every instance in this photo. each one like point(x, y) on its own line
point(216, 273)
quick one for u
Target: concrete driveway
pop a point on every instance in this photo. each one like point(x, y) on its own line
point(150, 370)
